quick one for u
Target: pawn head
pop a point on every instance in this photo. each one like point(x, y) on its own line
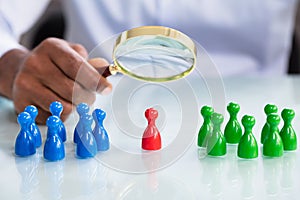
point(151, 113)
point(99, 114)
point(32, 110)
point(207, 111)
point(217, 118)
point(82, 108)
point(248, 121)
point(87, 120)
point(273, 119)
point(233, 108)
point(287, 114)
point(24, 119)
point(270, 108)
point(53, 122)
point(56, 108)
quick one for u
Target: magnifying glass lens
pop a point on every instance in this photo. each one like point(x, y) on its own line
point(154, 57)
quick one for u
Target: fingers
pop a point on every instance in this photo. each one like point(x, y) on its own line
point(67, 89)
point(58, 71)
point(80, 50)
point(41, 97)
point(75, 66)
point(101, 65)
point(90, 79)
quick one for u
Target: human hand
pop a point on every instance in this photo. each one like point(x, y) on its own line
point(53, 71)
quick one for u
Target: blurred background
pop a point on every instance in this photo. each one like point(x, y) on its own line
point(53, 24)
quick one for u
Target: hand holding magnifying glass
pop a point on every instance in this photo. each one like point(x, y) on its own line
point(153, 53)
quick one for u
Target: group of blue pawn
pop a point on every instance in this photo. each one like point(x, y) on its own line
point(88, 141)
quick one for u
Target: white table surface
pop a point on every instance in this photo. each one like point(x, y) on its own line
point(177, 171)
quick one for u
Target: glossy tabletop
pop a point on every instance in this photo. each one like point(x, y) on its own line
point(179, 170)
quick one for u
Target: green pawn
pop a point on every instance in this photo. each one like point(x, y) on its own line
point(247, 147)
point(269, 109)
point(206, 127)
point(216, 144)
point(287, 133)
point(273, 145)
point(233, 130)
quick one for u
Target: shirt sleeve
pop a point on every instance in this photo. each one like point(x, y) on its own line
point(8, 40)
point(16, 17)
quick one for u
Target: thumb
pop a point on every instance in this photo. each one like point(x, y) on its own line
point(101, 65)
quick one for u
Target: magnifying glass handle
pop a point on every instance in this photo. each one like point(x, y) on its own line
point(106, 71)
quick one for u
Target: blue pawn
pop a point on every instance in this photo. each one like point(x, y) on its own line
point(24, 145)
point(33, 128)
point(56, 109)
point(54, 149)
point(99, 131)
point(82, 109)
point(86, 145)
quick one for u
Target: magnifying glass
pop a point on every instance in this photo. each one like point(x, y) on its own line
point(153, 53)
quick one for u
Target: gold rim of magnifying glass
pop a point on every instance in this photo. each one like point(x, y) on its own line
point(157, 31)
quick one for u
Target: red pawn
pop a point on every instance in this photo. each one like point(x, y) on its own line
point(151, 137)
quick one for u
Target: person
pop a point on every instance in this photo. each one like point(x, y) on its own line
point(252, 37)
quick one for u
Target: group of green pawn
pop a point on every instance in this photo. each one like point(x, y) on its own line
point(274, 142)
